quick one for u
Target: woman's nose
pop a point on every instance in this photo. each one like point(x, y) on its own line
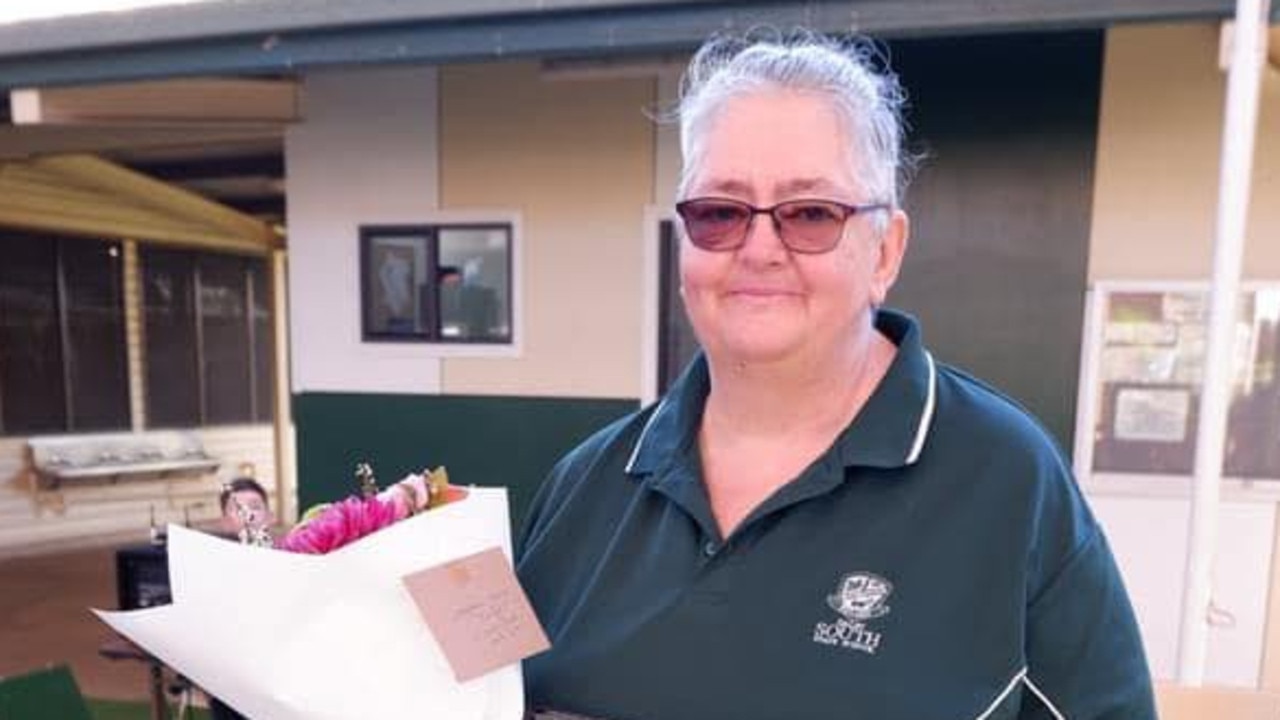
point(763, 241)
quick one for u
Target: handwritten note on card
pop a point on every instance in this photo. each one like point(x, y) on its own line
point(478, 613)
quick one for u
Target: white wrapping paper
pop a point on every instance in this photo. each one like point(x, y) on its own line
point(282, 636)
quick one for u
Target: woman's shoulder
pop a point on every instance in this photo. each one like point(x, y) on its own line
point(610, 444)
point(997, 452)
point(604, 452)
point(1009, 467)
point(976, 415)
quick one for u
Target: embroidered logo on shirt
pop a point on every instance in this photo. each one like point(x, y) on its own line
point(859, 597)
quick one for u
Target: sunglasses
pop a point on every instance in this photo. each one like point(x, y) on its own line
point(804, 226)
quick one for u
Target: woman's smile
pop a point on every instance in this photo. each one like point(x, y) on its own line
point(750, 291)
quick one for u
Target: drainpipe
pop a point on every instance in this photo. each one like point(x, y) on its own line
point(1244, 78)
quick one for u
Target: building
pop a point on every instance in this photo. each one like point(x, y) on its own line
point(1071, 156)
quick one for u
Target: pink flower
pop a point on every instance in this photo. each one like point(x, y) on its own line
point(340, 524)
point(325, 528)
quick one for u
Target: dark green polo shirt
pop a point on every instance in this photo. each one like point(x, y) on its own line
point(938, 561)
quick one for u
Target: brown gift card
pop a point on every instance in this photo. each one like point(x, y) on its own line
point(478, 613)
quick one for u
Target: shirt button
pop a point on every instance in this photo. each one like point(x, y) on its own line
point(710, 548)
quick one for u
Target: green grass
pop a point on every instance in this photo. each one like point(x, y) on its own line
point(123, 710)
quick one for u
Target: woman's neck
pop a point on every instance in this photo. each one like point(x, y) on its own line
point(819, 392)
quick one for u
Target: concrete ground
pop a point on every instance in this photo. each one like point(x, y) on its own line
point(45, 620)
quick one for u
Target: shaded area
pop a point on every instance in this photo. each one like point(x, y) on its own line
point(1001, 208)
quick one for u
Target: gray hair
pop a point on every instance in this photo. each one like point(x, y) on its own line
point(867, 101)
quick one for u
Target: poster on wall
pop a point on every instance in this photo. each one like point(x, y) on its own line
point(394, 276)
point(1152, 414)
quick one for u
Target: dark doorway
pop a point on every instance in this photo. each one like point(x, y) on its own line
point(996, 270)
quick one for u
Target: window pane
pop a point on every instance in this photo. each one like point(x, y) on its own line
point(225, 339)
point(31, 382)
point(1253, 431)
point(263, 363)
point(95, 327)
point(474, 280)
point(173, 390)
point(397, 295)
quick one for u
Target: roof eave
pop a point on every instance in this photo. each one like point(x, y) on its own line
point(77, 50)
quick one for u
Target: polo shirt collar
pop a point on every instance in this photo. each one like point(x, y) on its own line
point(672, 429)
point(891, 428)
point(889, 432)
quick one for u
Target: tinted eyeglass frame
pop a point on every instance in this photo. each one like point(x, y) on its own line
point(847, 210)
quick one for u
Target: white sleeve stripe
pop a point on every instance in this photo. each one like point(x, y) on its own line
point(926, 415)
point(1043, 698)
point(1018, 677)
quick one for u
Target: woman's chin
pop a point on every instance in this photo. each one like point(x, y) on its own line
point(755, 350)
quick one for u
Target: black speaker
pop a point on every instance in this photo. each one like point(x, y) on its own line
point(142, 576)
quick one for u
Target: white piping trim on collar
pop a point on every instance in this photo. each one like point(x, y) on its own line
point(1018, 677)
point(926, 417)
point(635, 452)
point(1043, 698)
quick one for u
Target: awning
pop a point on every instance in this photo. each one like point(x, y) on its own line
point(85, 195)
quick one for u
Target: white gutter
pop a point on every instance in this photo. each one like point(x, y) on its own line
point(1248, 57)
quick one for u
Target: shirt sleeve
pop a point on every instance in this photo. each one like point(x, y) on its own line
point(1084, 654)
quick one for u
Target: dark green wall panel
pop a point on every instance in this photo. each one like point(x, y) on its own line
point(507, 441)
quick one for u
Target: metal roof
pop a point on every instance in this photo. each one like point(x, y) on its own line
point(288, 36)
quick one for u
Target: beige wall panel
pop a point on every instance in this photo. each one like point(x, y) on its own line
point(365, 155)
point(576, 159)
point(1159, 143)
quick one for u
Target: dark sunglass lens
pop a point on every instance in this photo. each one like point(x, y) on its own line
point(713, 224)
point(811, 226)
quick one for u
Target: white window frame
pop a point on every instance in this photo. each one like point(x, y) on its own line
point(650, 292)
point(512, 349)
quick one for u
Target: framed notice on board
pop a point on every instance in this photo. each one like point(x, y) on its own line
point(1142, 373)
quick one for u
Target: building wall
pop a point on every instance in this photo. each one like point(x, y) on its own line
point(571, 163)
point(365, 153)
point(1155, 203)
point(379, 147)
point(575, 158)
point(35, 519)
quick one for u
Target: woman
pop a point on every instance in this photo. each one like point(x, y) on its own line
point(817, 521)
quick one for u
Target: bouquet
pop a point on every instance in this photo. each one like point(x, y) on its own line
point(327, 624)
point(327, 527)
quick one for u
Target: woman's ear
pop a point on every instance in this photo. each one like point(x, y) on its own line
point(891, 248)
